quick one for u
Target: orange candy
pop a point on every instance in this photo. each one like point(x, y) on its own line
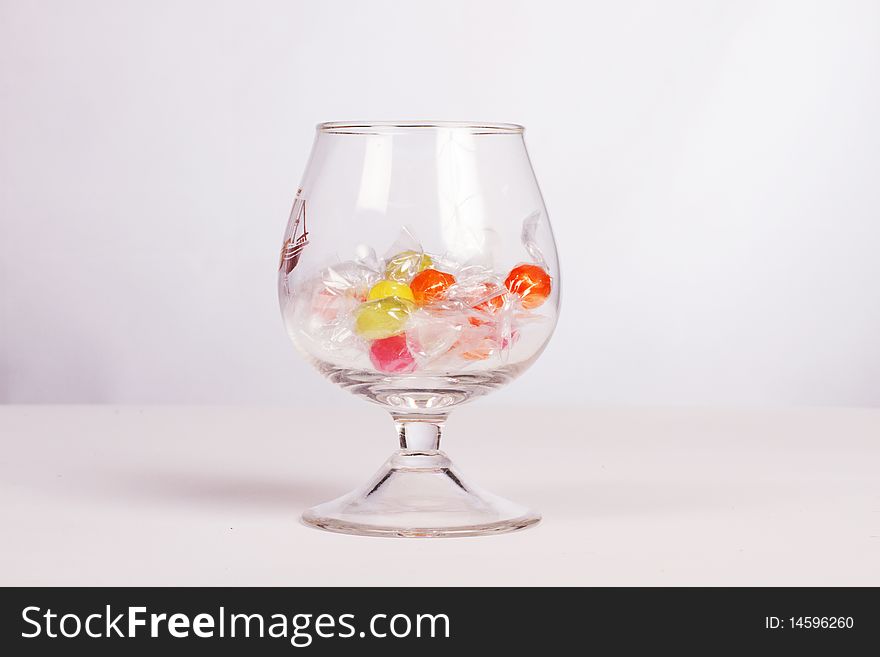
point(490, 306)
point(477, 346)
point(481, 352)
point(430, 285)
point(531, 283)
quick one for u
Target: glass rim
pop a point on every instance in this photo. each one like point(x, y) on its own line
point(388, 127)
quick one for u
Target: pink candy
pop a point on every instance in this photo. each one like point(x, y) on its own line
point(392, 355)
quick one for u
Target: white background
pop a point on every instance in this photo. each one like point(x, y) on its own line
point(710, 169)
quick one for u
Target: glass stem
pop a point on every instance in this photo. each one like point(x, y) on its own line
point(419, 434)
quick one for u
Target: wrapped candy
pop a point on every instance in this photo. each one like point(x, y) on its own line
point(489, 300)
point(405, 258)
point(382, 318)
point(530, 283)
point(392, 355)
point(473, 285)
point(477, 343)
point(406, 264)
point(430, 286)
point(431, 334)
point(387, 288)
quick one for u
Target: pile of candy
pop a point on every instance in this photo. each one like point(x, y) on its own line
point(416, 311)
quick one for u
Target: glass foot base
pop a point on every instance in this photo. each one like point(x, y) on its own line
point(419, 494)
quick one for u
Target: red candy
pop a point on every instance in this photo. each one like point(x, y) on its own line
point(531, 283)
point(430, 285)
point(392, 355)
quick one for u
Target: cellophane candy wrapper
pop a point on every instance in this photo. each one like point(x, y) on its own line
point(441, 316)
point(433, 333)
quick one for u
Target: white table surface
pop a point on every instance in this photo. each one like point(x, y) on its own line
point(212, 496)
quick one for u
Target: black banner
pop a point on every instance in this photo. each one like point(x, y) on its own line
point(117, 621)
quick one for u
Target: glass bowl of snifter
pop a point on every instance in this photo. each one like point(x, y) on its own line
point(419, 271)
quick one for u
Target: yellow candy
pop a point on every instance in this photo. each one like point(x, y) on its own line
point(407, 264)
point(382, 318)
point(384, 289)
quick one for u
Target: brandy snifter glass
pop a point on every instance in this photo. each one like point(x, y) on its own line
point(419, 271)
